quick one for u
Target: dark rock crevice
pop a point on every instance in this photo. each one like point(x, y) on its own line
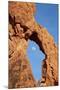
point(35, 38)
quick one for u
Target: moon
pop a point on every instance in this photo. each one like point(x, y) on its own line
point(33, 48)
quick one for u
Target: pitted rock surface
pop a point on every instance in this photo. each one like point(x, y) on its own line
point(22, 27)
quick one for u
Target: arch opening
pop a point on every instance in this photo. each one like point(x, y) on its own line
point(36, 55)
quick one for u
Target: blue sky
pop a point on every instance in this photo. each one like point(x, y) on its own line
point(47, 16)
point(35, 56)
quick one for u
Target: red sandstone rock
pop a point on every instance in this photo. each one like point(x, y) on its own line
point(22, 27)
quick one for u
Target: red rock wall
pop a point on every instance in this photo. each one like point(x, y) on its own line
point(22, 27)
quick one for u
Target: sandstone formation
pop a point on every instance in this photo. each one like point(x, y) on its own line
point(22, 27)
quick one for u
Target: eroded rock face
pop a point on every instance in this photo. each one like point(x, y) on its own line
point(22, 27)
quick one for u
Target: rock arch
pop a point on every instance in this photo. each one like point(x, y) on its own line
point(20, 73)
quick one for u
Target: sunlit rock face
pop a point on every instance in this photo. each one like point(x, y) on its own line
point(22, 28)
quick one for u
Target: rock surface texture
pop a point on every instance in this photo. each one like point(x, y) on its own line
point(22, 27)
